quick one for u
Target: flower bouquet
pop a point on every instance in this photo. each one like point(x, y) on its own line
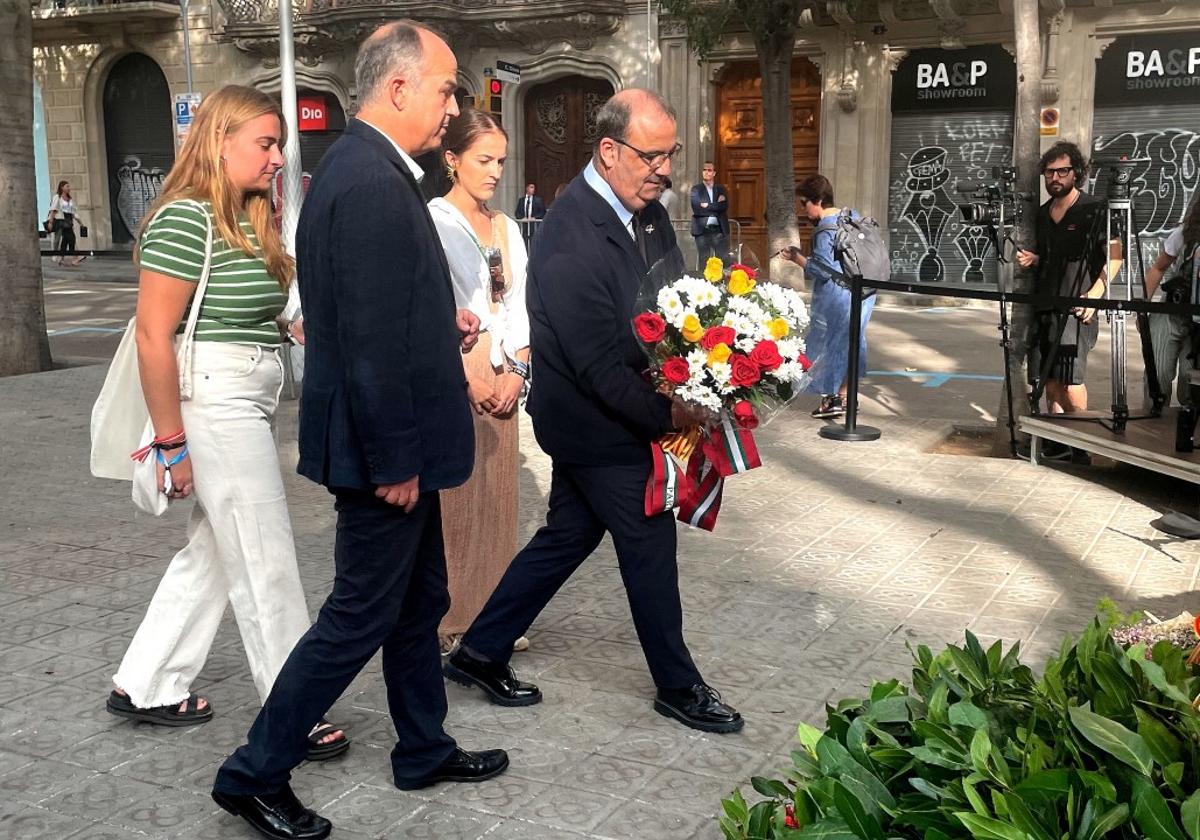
point(728, 343)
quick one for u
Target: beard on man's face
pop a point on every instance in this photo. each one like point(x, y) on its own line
point(1059, 188)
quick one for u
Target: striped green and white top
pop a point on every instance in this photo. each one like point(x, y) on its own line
point(242, 300)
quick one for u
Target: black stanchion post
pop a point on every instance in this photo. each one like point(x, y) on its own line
point(851, 431)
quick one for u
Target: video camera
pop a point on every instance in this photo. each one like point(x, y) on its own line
point(996, 203)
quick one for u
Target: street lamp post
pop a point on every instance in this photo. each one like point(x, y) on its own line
point(291, 149)
point(187, 43)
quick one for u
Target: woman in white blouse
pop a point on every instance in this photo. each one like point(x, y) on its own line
point(487, 267)
point(61, 223)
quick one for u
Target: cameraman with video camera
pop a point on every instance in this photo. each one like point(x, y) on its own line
point(1175, 344)
point(1068, 260)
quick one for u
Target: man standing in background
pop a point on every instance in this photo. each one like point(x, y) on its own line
point(530, 210)
point(710, 215)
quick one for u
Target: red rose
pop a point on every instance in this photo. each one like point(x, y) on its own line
point(718, 335)
point(804, 362)
point(744, 372)
point(766, 355)
point(676, 370)
point(743, 413)
point(750, 272)
point(650, 327)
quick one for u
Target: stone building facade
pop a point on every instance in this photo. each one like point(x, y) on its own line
point(897, 101)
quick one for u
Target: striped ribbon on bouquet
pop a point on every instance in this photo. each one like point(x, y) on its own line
point(689, 471)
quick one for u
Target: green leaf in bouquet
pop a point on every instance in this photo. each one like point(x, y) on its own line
point(1189, 812)
point(1164, 746)
point(987, 828)
point(735, 807)
point(966, 713)
point(730, 828)
point(809, 735)
point(995, 658)
point(1047, 785)
point(1113, 681)
point(938, 759)
point(972, 795)
point(1098, 784)
point(1173, 776)
point(884, 737)
point(1020, 815)
point(862, 823)
point(1012, 659)
point(1155, 674)
point(893, 758)
point(829, 828)
point(939, 703)
point(927, 788)
point(975, 650)
point(1113, 818)
point(805, 764)
point(939, 736)
point(987, 760)
point(761, 815)
point(770, 787)
point(967, 667)
point(890, 709)
point(1152, 813)
point(1113, 738)
point(883, 690)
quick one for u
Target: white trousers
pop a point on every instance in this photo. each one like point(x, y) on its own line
point(240, 546)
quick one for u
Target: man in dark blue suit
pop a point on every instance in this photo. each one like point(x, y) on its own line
point(710, 215)
point(385, 424)
point(595, 415)
point(529, 206)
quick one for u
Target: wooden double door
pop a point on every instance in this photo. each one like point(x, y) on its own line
point(560, 130)
point(741, 154)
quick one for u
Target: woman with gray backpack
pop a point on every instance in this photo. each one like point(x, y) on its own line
point(828, 339)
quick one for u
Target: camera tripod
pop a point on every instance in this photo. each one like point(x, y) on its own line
point(1119, 226)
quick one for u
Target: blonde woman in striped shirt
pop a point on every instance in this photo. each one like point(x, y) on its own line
point(218, 446)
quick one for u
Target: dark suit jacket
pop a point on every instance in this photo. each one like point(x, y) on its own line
point(539, 208)
point(589, 401)
point(385, 396)
point(717, 208)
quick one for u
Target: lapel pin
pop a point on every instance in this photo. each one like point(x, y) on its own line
point(648, 229)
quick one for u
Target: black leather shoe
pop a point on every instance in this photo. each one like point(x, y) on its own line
point(498, 681)
point(699, 707)
point(462, 766)
point(279, 816)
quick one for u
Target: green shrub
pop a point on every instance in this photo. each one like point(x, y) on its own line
point(1106, 743)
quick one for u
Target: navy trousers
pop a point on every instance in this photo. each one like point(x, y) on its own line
point(711, 243)
point(585, 502)
point(389, 592)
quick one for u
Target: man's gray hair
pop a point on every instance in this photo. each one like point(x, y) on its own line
point(614, 116)
point(392, 50)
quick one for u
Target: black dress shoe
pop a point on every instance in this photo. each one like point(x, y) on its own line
point(699, 707)
point(462, 766)
point(498, 681)
point(279, 816)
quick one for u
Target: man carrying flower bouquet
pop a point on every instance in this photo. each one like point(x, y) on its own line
point(596, 415)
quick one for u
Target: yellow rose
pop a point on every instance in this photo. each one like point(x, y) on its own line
point(714, 270)
point(740, 282)
point(692, 330)
point(719, 353)
point(778, 327)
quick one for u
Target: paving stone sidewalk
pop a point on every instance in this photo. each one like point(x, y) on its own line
point(824, 563)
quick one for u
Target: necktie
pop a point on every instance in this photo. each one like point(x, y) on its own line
point(639, 235)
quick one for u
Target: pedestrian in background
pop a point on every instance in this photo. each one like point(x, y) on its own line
point(710, 216)
point(828, 338)
point(487, 260)
point(530, 210)
point(219, 445)
point(61, 220)
point(1173, 337)
point(668, 199)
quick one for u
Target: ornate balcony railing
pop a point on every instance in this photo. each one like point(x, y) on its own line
point(66, 21)
point(326, 25)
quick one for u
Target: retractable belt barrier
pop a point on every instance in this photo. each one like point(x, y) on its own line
point(851, 431)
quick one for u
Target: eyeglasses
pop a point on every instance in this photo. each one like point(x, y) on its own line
point(1058, 172)
point(654, 160)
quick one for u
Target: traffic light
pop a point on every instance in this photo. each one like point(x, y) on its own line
point(495, 98)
